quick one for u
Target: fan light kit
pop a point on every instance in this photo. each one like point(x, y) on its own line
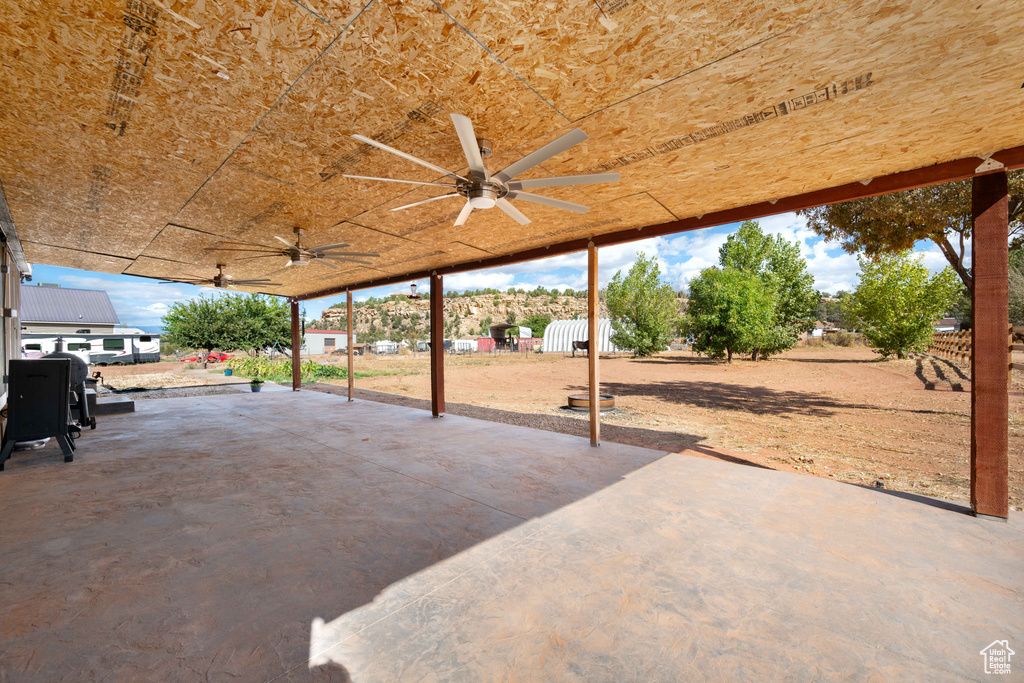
point(298, 255)
point(222, 281)
point(483, 190)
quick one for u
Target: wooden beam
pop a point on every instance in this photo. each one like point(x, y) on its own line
point(990, 381)
point(593, 355)
point(350, 342)
point(296, 343)
point(437, 346)
point(949, 171)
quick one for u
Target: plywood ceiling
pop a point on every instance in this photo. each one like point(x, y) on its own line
point(135, 135)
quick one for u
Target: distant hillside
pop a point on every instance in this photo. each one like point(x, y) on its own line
point(466, 315)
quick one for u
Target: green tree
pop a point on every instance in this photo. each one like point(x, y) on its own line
point(778, 264)
point(1017, 288)
point(897, 302)
point(257, 322)
point(511, 318)
point(196, 324)
point(729, 311)
point(242, 322)
point(830, 310)
point(642, 307)
point(537, 322)
point(895, 222)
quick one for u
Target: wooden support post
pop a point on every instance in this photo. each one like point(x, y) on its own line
point(296, 343)
point(990, 386)
point(350, 341)
point(437, 346)
point(592, 346)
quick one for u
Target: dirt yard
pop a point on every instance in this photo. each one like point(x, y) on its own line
point(164, 375)
point(830, 412)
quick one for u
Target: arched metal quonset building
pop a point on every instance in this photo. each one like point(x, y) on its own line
point(560, 334)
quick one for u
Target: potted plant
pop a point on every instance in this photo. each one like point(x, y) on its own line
point(256, 384)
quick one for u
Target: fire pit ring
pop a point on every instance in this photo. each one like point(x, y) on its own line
point(581, 402)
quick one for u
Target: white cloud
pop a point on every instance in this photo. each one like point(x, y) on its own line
point(479, 279)
point(138, 301)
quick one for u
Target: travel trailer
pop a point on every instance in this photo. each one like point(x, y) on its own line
point(123, 346)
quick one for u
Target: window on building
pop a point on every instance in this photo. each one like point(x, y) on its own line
point(329, 341)
point(113, 344)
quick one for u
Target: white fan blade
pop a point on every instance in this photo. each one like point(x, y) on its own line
point(408, 157)
point(464, 214)
point(328, 254)
point(548, 201)
point(467, 136)
point(281, 239)
point(424, 201)
point(325, 247)
point(570, 139)
point(395, 180)
point(325, 262)
point(591, 179)
point(512, 211)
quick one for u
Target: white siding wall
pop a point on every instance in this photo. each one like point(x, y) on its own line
point(315, 342)
point(560, 334)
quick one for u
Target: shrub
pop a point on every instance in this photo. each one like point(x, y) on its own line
point(841, 338)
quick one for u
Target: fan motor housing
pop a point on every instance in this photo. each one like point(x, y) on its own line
point(483, 197)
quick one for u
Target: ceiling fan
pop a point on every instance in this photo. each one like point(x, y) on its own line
point(298, 255)
point(484, 190)
point(221, 281)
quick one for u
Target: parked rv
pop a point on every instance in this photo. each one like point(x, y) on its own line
point(124, 346)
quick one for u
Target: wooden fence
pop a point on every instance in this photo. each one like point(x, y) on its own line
point(956, 346)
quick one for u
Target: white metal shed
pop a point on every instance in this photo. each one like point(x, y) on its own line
point(560, 334)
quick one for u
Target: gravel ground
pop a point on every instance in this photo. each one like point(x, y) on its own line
point(177, 392)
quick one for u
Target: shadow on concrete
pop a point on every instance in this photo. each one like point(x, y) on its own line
point(576, 425)
point(255, 515)
point(948, 505)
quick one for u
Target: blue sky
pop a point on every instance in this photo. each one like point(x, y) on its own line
point(141, 302)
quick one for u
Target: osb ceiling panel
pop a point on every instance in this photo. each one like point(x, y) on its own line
point(136, 135)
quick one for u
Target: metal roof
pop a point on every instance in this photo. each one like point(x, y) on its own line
point(72, 306)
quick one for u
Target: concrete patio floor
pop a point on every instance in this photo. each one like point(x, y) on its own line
point(296, 536)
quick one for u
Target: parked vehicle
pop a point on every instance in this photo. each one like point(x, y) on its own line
point(128, 345)
point(214, 357)
point(42, 345)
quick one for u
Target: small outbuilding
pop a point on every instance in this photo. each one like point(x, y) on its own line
point(326, 341)
point(560, 334)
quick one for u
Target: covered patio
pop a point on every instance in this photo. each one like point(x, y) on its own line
point(299, 536)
